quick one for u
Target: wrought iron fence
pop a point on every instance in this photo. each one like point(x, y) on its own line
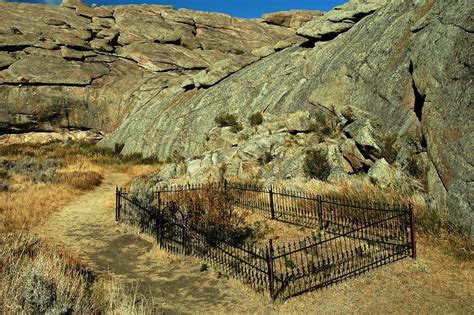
point(355, 237)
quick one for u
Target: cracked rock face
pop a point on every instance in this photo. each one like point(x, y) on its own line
point(154, 78)
point(105, 60)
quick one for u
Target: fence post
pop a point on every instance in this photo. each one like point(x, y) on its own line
point(271, 275)
point(161, 227)
point(116, 204)
point(159, 199)
point(412, 232)
point(225, 185)
point(119, 205)
point(320, 212)
point(272, 205)
point(157, 224)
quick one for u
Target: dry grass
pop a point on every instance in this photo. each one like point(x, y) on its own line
point(435, 283)
point(28, 203)
point(264, 229)
point(38, 278)
point(31, 203)
point(82, 180)
point(212, 212)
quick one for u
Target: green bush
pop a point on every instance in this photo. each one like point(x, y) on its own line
point(226, 120)
point(415, 167)
point(324, 125)
point(118, 147)
point(3, 173)
point(316, 165)
point(256, 119)
point(236, 128)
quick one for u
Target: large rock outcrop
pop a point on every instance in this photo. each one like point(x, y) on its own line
point(85, 67)
point(153, 78)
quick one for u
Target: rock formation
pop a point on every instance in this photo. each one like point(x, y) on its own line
point(153, 78)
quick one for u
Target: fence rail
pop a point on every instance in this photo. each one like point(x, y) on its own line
point(355, 237)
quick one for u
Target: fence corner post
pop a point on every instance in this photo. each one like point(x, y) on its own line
point(412, 231)
point(271, 275)
point(272, 204)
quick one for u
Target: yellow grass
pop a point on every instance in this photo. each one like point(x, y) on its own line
point(36, 277)
point(435, 283)
point(32, 203)
point(24, 259)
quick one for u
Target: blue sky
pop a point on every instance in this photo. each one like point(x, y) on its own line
point(238, 8)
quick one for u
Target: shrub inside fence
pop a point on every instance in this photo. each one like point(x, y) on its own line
point(354, 237)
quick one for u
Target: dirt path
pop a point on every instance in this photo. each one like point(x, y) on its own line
point(87, 227)
point(435, 282)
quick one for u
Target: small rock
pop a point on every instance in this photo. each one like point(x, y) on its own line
point(352, 154)
point(364, 135)
point(193, 168)
point(168, 172)
point(299, 122)
point(381, 173)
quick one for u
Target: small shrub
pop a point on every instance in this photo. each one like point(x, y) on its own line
point(40, 292)
point(324, 125)
point(203, 267)
point(118, 147)
point(226, 120)
point(211, 211)
point(175, 157)
point(258, 231)
point(316, 165)
point(415, 168)
point(3, 173)
point(37, 170)
point(4, 184)
point(236, 128)
point(256, 119)
point(4, 176)
point(82, 180)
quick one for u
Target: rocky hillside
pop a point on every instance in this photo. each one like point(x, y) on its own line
point(153, 79)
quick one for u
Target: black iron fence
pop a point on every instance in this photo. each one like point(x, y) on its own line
point(354, 237)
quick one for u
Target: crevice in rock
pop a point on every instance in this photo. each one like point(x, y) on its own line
point(34, 129)
point(13, 48)
point(4, 67)
point(423, 142)
point(419, 97)
point(296, 132)
point(310, 43)
point(189, 87)
point(330, 36)
point(26, 83)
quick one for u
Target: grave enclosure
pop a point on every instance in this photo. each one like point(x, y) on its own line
point(353, 237)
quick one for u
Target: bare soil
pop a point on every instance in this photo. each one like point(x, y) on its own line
point(435, 283)
point(176, 284)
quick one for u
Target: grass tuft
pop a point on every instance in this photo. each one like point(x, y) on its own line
point(316, 165)
point(256, 119)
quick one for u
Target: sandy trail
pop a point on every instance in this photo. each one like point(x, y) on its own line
point(87, 228)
